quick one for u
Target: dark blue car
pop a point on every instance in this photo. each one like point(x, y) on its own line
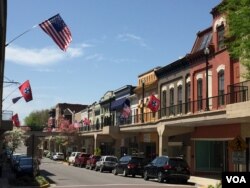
point(27, 166)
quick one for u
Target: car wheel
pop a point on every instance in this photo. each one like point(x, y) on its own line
point(115, 171)
point(145, 175)
point(160, 178)
point(90, 167)
point(133, 175)
point(96, 168)
point(125, 173)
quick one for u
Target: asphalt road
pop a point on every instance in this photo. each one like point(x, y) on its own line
point(62, 175)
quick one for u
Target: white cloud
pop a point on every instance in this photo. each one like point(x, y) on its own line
point(131, 37)
point(95, 57)
point(44, 56)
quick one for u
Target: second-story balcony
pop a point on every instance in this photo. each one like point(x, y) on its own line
point(216, 103)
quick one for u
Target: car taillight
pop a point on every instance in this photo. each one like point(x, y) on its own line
point(131, 165)
point(167, 167)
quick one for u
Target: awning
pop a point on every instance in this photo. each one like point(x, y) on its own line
point(118, 104)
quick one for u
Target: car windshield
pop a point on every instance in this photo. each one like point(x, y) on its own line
point(112, 159)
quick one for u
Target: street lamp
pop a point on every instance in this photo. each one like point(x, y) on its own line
point(206, 52)
point(142, 111)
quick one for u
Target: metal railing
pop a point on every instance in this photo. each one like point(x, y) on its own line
point(190, 107)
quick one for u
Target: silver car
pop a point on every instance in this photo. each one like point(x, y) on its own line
point(106, 163)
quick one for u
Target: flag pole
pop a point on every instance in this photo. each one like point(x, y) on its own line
point(10, 94)
point(21, 35)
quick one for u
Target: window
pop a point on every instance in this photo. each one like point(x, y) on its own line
point(221, 87)
point(179, 99)
point(199, 94)
point(220, 37)
point(164, 102)
point(171, 101)
point(210, 156)
point(188, 97)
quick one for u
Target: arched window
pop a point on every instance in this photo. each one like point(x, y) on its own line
point(171, 101)
point(221, 90)
point(199, 94)
point(164, 102)
point(179, 95)
point(221, 37)
point(188, 97)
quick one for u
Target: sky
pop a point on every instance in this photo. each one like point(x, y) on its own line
point(114, 41)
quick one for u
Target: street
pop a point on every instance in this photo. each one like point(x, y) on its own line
point(61, 175)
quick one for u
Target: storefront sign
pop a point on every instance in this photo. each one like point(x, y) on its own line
point(239, 157)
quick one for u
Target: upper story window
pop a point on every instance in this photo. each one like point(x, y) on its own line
point(221, 37)
point(188, 97)
point(164, 102)
point(199, 94)
point(179, 90)
point(221, 90)
point(171, 101)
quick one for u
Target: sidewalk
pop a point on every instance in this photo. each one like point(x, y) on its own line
point(202, 182)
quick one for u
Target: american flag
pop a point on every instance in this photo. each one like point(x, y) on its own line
point(56, 28)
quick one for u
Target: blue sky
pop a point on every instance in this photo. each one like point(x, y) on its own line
point(113, 42)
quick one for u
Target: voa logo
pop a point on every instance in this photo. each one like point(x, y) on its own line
point(236, 179)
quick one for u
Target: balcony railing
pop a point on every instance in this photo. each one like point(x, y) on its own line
point(190, 107)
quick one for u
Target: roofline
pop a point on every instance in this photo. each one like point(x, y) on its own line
point(153, 69)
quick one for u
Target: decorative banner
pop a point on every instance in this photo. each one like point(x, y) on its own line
point(25, 90)
point(153, 103)
point(15, 120)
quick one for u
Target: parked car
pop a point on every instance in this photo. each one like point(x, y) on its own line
point(91, 162)
point(72, 157)
point(81, 159)
point(27, 166)
point(167, 168)
point(129, 165)
point(58, 156)
point(107, 162)
point(14, 159)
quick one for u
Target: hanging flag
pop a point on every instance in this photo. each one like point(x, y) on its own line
point(15, 120)
point(153, 103)
point(126, 109)
point(25, 90)
point(86, 121)
point(56, 28)
point(14, 100)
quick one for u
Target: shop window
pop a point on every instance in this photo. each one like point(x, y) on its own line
point(210, 156)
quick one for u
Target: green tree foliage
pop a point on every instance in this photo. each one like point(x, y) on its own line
point(238, 34)
point(13, 139)
point(37, 119)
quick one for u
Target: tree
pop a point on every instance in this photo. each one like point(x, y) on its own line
point(37, 120)
point(13, 139)
point(238, 33)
